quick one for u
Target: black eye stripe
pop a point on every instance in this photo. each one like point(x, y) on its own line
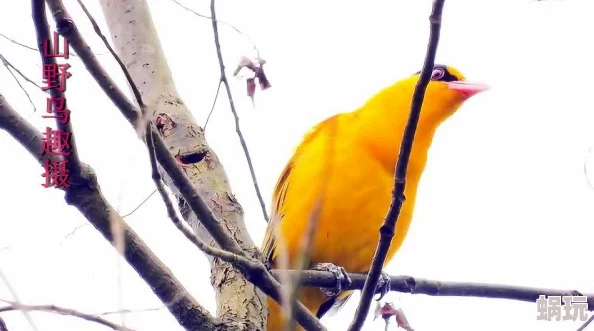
point(447, 77)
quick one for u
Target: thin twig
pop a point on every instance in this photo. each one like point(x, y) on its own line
point(220, 22)
point(233, 110)
point(130, 311)
point(73, 54)
point(140, 205)
point(43, 34)
point(6, 63)
point(214, 102)
point(583, 327)
point(74, 231)
point(63, 311)
point(3, 326)
point(387, 229)
point(16, 298)
point(8, 67)
point(18, 43)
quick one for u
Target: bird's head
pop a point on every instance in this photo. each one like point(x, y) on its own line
point(446, 91)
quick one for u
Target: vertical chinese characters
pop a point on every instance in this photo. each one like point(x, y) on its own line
point(56, 143)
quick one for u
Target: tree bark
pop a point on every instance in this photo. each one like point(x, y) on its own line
point(137, 44)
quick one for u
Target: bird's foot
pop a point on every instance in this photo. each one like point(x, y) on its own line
point(383, 285)
point(342, 278)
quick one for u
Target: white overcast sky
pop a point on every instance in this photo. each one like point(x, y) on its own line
point(504, 198)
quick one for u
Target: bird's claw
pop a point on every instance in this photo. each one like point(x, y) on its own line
point(383, 285)
point(342, 278)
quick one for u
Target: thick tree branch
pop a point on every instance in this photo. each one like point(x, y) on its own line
point(223, 79)
point(62, 311)
point(87, 198)
point(387, 229)
point(414, 285)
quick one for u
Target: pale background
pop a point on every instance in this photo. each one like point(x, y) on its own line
point(504, 199)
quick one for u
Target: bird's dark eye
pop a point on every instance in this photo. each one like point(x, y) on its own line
point(437, 74)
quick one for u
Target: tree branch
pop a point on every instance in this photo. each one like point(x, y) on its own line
point(583, 326)
point(10, 67)
point(414, 285)
point(215, 30)
point(87, 198)
point(8, 64)
point(220, 22)
point(62, 311)
point(387, 229)
point(3, 326)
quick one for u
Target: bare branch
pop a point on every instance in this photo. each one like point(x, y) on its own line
point(220, 22)
point(140, 205)
point(33, 48)
point(18, 43)
point(387, 229)
point(583, 327)
point(8, 66)
point(215, 29)
point(214, 103)
point(15, 296)
point(63, 311)
point(413, 285)
point(6, 63)
point(87, 198)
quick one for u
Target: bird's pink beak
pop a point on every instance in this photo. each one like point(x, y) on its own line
point(467, 88)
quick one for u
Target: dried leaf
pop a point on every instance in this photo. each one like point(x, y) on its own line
point(388, 310)
point(251, 88)
point(256, 66)
point(402, 321)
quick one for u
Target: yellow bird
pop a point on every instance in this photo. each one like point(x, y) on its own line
point(345, 166)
